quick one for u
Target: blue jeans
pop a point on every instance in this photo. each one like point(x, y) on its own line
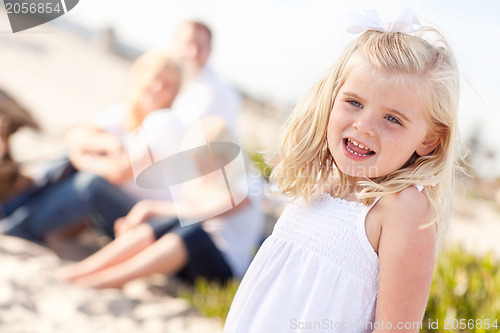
point(65, 203)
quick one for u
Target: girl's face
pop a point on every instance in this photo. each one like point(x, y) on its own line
point(376, 124)
point(158, 90)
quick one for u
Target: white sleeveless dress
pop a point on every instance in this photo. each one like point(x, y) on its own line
point(316, 272)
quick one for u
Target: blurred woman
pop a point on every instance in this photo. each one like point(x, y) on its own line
point(102, 185)
point(101, 147)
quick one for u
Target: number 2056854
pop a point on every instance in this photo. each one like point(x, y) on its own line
point(462, 324)
point(32, 8)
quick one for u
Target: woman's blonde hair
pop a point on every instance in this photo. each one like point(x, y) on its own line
point(151, 62)
point(303, 163)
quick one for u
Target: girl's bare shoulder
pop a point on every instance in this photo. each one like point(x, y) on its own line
point(408, 208)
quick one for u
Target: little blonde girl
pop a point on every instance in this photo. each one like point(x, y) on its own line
point(368, 159)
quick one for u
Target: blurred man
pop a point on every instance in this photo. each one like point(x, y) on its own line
point(204, 92)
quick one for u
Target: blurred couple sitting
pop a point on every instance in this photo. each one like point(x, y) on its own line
point(96, 180)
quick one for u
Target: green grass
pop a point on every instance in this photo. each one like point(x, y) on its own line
point(464, 287)
point(212, 299)
point(258, 162)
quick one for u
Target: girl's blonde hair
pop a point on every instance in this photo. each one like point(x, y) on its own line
point(303, 163)
point(151, 62)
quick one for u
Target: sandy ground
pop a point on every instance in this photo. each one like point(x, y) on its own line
point(65, 80)
point(475, 225)
point(33, 301)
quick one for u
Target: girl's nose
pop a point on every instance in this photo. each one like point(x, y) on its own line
point(364, 125)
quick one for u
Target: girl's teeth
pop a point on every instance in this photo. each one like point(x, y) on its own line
point(358, 145)
point(353, 152)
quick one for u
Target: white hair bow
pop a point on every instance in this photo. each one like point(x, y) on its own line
point(405, 22)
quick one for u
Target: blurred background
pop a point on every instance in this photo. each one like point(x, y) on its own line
point(68, 70)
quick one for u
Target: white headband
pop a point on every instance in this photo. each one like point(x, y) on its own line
point(405, 22)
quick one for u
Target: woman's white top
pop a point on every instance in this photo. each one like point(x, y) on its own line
point(316, 272)
point(112, 121)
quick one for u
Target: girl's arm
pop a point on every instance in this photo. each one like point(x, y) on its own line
point(406, 258)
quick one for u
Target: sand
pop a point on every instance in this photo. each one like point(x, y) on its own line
point(33, 301)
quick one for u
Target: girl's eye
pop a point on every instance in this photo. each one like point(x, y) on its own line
point(355, 103)
point(393, 120)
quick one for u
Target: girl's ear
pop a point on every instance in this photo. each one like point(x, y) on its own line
point(428, 145)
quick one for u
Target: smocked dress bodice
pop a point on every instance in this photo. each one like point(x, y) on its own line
point(316, 272)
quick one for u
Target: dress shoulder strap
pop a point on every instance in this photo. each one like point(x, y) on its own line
point(419, 188)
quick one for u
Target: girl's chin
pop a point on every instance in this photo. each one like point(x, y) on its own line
point(359, 171)
point(354, 173)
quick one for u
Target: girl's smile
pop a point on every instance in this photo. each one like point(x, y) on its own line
point(356, 150)
point(377, 123)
